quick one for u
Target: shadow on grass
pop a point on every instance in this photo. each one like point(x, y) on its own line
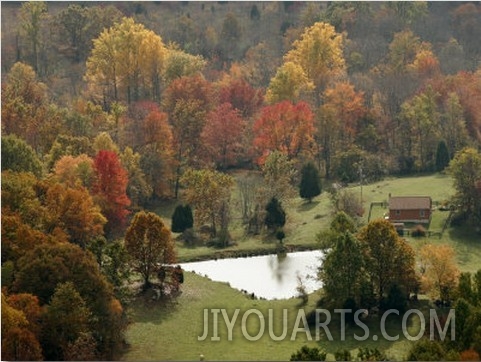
point(307, 206)
point(148, 309)
point(379, 332)
point(465, 234)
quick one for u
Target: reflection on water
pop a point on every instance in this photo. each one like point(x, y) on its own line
point(267, 276)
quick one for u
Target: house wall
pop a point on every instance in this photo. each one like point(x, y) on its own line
point(410, 215)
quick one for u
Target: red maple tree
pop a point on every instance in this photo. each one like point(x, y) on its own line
point(110, 188)
point(222, 135)
point(284, 127)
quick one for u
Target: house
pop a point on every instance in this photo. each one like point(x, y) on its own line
point(416, 209)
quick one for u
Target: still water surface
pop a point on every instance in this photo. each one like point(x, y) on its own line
point(267, 276)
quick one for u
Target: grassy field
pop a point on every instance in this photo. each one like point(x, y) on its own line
point(305, 221)
point(168, 331)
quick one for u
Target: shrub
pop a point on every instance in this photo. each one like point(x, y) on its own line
point(418, 231)
point(343, 355)
point(370, 354)
point(396, 299)
point(309, 354)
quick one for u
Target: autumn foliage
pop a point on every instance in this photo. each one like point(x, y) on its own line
point(110, 189)
point(284, 127)
point(101, 117)
point(222, 136)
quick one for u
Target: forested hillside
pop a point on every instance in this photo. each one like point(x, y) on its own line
point(110, 107)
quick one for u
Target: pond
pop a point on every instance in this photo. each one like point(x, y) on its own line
point(267, 276)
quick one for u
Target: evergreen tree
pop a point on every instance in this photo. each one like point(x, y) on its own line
point(275, 216)
point(310, 185)
point(182, 219)
point(442, 156)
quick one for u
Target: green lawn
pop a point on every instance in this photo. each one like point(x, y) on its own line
point(463, 240)
point(305, 220)
point(168, 331)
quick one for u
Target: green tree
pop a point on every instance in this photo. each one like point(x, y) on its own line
point(19, 196)
point(310, 185)
point(341, 223)
point(230, 36)
point(66, 318)
point(420, 122)
point(26, 111)
point(341, 272)
point(426, 350)
point(187, 101)
point(442, 156)
point(275, 215)
point(103, 142)
point(370, 354)
point(343, 355)
point(309, 354)
point(182, 218)
point(179, 64)
point(465, 168)
point(209, 193)
point(279, 174)
point(138, 189)
point(388, 259)
point(18, 156)
point(32, 14)
point(44, 267)
point(408, 12)
point(453, 124)
point(149, 243)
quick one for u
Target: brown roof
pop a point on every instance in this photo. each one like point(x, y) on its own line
point(409, 202)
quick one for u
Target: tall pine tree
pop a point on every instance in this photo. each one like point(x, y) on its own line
point(442, 156)
point(310, 185)
point(275, 216)
point(182, 219)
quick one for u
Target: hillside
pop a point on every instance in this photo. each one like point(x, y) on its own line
point(264, 127)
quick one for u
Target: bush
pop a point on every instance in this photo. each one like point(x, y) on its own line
point(396, 299)
point(370, 354)
point(459, 218)
point(343, 355)
point(348, 202)
point(426, 350)
point(418, 231)
point(280, 235)
point(308, 354)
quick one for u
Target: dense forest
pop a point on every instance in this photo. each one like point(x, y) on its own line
point(110, 107)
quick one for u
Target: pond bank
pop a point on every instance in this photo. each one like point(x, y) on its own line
point(245, 253)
